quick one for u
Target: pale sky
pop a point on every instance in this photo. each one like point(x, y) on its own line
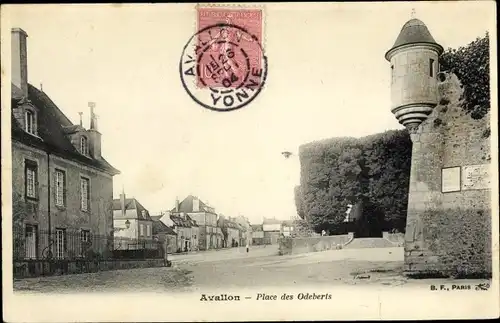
point(327, 77)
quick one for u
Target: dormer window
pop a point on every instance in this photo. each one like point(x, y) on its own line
point(30, 122)
point(84, 147)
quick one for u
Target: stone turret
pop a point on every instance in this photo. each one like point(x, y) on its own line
point(414, 68)
point(448, 226)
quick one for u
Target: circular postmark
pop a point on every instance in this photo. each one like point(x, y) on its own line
point(223, 67)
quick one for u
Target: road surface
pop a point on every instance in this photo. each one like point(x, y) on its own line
point(234, 268)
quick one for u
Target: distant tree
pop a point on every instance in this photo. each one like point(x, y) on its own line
point(471, 64)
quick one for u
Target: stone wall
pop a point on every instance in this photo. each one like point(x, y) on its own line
point(289, 246)
point(397, 238)
point(449, 138)
point(260, 241)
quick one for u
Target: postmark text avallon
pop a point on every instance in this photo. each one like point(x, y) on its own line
point(223, 66)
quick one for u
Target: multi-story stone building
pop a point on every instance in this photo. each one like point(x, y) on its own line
point(185, 227)
point(231, 232)
point(246, 234)
point(257, 234)
point(133, 226)
point(165, 234)
point(61, 184)
point(209, 233)
point(272, 230)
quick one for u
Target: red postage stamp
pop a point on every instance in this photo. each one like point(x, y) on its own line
point(237, 41)
point(223, 66)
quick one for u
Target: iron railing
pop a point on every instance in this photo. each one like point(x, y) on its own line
point(32, 244)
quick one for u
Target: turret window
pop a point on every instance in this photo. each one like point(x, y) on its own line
point(84, 149)
point(392, 74)
point(30, 122)
point(431, 67)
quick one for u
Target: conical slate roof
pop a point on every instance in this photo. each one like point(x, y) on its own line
point(413, 32)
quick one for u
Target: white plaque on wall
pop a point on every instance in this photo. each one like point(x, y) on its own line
point(450, 179)
point(476, 177)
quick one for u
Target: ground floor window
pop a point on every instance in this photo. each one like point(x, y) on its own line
point(31, 241)
point(60, 243)
point(85, 242)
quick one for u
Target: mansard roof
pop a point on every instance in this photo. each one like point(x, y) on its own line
point(187, 206)
point(52, 127)
point(183, 220)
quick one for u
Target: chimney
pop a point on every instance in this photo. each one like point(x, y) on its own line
point(94, 134)
point(176, 205)
point(19, 62)
point(93, 121)
point(122, 202)
point(196, 205)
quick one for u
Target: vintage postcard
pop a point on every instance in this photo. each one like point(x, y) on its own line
point(249, 162)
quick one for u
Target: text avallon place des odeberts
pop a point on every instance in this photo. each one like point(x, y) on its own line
point(265, 297)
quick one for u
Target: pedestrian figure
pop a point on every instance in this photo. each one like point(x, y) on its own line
point(247, 247)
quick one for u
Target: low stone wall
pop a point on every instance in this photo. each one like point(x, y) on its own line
point(261, 241)
point(130, 264)
point(289, 246)
point(396, 238)
point(36, 268)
